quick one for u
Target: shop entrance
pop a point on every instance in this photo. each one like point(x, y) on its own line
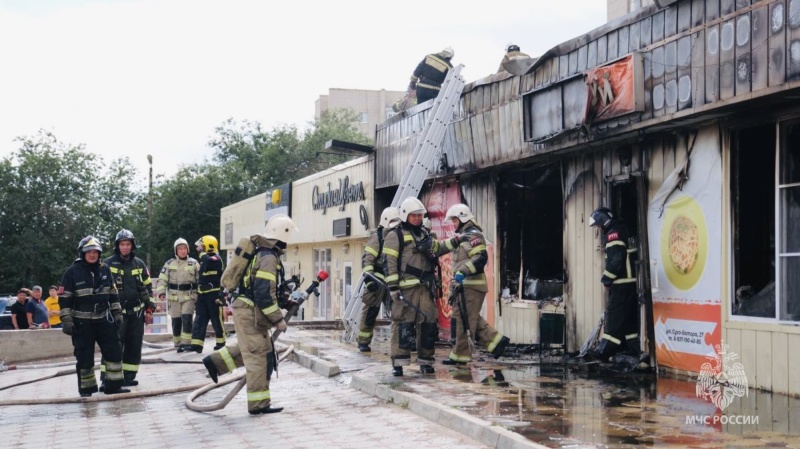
point(322, 303)
point(530, 226)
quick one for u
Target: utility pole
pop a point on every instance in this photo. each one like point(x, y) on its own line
point(150, 212)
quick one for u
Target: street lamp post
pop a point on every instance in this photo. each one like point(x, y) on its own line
point(149, 212)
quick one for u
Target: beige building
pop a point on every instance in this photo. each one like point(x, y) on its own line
point(371, 106)
point(618, 8)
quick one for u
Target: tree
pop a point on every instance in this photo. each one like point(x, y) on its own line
point(52, 194)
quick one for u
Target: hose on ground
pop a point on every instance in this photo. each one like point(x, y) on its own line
point(191, 405)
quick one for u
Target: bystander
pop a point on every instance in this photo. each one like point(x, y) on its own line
point(19, 317)
point(36, 310)
point(53, 310)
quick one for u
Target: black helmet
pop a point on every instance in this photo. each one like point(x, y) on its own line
point(602, 217)
point(124, 235)
point(88, 243)
point(512, 47)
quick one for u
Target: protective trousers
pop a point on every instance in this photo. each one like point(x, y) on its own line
point(424, 94)
point(622, 321)
point(181, 313)
point(482, 333)
point(412, 331)
point(103, 332)
point(131, 334)
point(207, 309)
point(369, 313)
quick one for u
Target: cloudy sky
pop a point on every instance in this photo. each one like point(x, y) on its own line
point(132, 77)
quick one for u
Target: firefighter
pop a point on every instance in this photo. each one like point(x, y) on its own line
point(370, 263)
point(91, 313)
point(512, 52)
point(210, 298)
point(256, 311)
point(621, 328)
point(430, 74)
point(468, 261)
point(409, 271)
point(132, 280)
point(177, 282)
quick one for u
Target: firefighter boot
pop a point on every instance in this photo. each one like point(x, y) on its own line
point(266, 410)
point(501, 347)
point(219, 346)
point(397, 371)
point(426, 369)
point(213, 373)
point(116, 390)
point(453, 362)
point(363, 347)
point(196, 348)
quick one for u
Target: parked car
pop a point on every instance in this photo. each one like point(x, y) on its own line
point(5, 312)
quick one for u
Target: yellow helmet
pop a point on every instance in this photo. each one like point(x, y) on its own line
point(209, 243)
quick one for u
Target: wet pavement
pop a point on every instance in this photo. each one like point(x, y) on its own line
point(545, 400)
point(562, 404)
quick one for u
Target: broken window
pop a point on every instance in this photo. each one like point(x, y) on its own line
point(753, 191)
point(789, 217)
point(531, 231)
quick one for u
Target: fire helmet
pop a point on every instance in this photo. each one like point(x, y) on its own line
point(87, 244)
point(179, 242)
point(411, 205)
point(208, 242)
point(125, 235)
point(601, 216)
point(390, 218)
point(280, 227)
point(460, 211)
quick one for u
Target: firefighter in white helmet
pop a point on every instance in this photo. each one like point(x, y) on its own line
point(177, 283)
point(255, 312)
point(469, 259)
point(410, 277)
point(372, 263)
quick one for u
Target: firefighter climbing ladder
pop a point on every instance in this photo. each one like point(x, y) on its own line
point(423, 161)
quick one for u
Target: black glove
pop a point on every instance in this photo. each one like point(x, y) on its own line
point(67, 327)
point(118, 318)
point(220, 299)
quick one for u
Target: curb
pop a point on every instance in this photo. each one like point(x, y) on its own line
point(463, 423)
point(312, 362)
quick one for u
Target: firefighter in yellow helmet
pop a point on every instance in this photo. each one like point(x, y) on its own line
point(371, 262)
point(255, 312)
point(469, 259)
point(209, 294)
point(177, 282)
point(91, 313)
point(410, 277)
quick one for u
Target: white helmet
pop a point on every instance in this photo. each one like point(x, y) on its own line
point(280, 227)
point(411, 205)
point(460, 211)
point(390, 218)
point(180, 241)
point(448, 52)
point(426, 223)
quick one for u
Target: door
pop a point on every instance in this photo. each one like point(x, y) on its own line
point(322, 303)
point(347, 278)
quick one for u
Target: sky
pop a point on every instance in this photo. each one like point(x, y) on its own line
point(137, 77)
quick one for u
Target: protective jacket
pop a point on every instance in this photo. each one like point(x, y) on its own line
point(620, 268)
point(431, 71)
point(406, 265)
point(87, 291)
point(511, 55)
point(132, 281)
point(469, 255)
point(371, 259)
point(210, 273)
point(178, 279)
point(258, 288)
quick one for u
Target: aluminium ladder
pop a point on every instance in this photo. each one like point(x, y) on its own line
point(423, 159)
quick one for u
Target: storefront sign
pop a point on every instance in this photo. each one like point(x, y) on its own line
point(615, 89)
point(686, 253)
point(341, 196)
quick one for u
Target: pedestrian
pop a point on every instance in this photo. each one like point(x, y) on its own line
point(411, 280)
point(135, 290)
point(255, 312)
point(430, 74)
point(210, 298)
point(91, 314)
point(177, 282)
point(53, 310)
point(621, 325)
point(468, 262)
point(512, 52)
point(19, 314)
point(375, 290)
point(36, 310)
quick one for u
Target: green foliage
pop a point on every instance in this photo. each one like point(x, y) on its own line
point(53, 194)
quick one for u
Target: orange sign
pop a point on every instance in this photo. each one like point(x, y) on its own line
point(615, 89)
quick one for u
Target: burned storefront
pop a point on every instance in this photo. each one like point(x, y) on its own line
point(680, 118)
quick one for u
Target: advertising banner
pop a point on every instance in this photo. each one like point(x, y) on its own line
point(684, 227)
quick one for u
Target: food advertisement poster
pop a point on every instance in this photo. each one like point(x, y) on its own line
point(685, 233)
